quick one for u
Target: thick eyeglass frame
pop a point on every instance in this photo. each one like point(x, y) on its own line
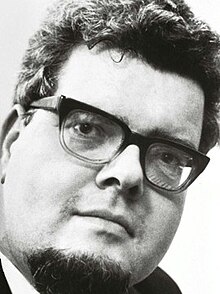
point(62, 105)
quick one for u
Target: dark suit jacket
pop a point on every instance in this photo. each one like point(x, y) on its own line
point(157, 283)
point(4, 288)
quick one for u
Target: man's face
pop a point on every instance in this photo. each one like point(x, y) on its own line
point(52, 199)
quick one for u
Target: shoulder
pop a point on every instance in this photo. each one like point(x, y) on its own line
point(158, 283)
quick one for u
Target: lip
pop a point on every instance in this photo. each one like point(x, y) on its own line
point(109, 216)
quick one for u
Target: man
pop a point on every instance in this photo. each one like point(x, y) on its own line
point(114, 110)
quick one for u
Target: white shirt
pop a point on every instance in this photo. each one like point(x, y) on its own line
point(16, 281)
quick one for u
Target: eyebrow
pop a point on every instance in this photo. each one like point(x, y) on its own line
point(161, 133)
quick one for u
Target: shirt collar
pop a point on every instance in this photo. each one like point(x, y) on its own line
point(16, 281)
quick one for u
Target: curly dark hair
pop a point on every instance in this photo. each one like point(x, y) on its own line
point(165, 33)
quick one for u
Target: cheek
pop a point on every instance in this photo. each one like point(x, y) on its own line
point(39, 168)
point(39, 182)
point(159, 223)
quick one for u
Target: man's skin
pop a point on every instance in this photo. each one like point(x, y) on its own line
point(45, 187)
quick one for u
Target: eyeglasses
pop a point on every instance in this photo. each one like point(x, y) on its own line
point(95, 136)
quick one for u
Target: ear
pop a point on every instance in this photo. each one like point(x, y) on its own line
point(10, 131)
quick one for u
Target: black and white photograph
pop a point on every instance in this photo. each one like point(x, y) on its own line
point(109, 147)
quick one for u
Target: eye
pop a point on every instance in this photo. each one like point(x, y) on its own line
point(91, 135)
point(165, 158)
point(87, 129)
point(84, 128)
point(84, 125)
point(170, 158)
point(167, 166)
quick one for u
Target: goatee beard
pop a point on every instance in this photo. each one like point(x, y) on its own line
point(57, 273)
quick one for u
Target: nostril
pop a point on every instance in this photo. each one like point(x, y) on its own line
point(132, 190)
point(111, 181)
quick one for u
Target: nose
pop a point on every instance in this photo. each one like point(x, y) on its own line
point(124, 173)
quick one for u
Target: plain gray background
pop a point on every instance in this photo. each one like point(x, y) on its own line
point(194, 257)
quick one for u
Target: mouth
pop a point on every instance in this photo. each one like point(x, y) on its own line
point(108, 216)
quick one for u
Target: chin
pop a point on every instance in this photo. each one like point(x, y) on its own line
point(98, 241)
point(61, 271)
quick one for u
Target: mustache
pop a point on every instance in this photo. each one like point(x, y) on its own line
point(56, 272)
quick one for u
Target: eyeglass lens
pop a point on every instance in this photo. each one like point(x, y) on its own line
point(167, 166)
point(91, 135)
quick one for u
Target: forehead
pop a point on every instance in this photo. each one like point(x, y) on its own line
point(145, 97)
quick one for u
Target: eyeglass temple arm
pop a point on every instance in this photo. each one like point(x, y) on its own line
point(48, 103)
